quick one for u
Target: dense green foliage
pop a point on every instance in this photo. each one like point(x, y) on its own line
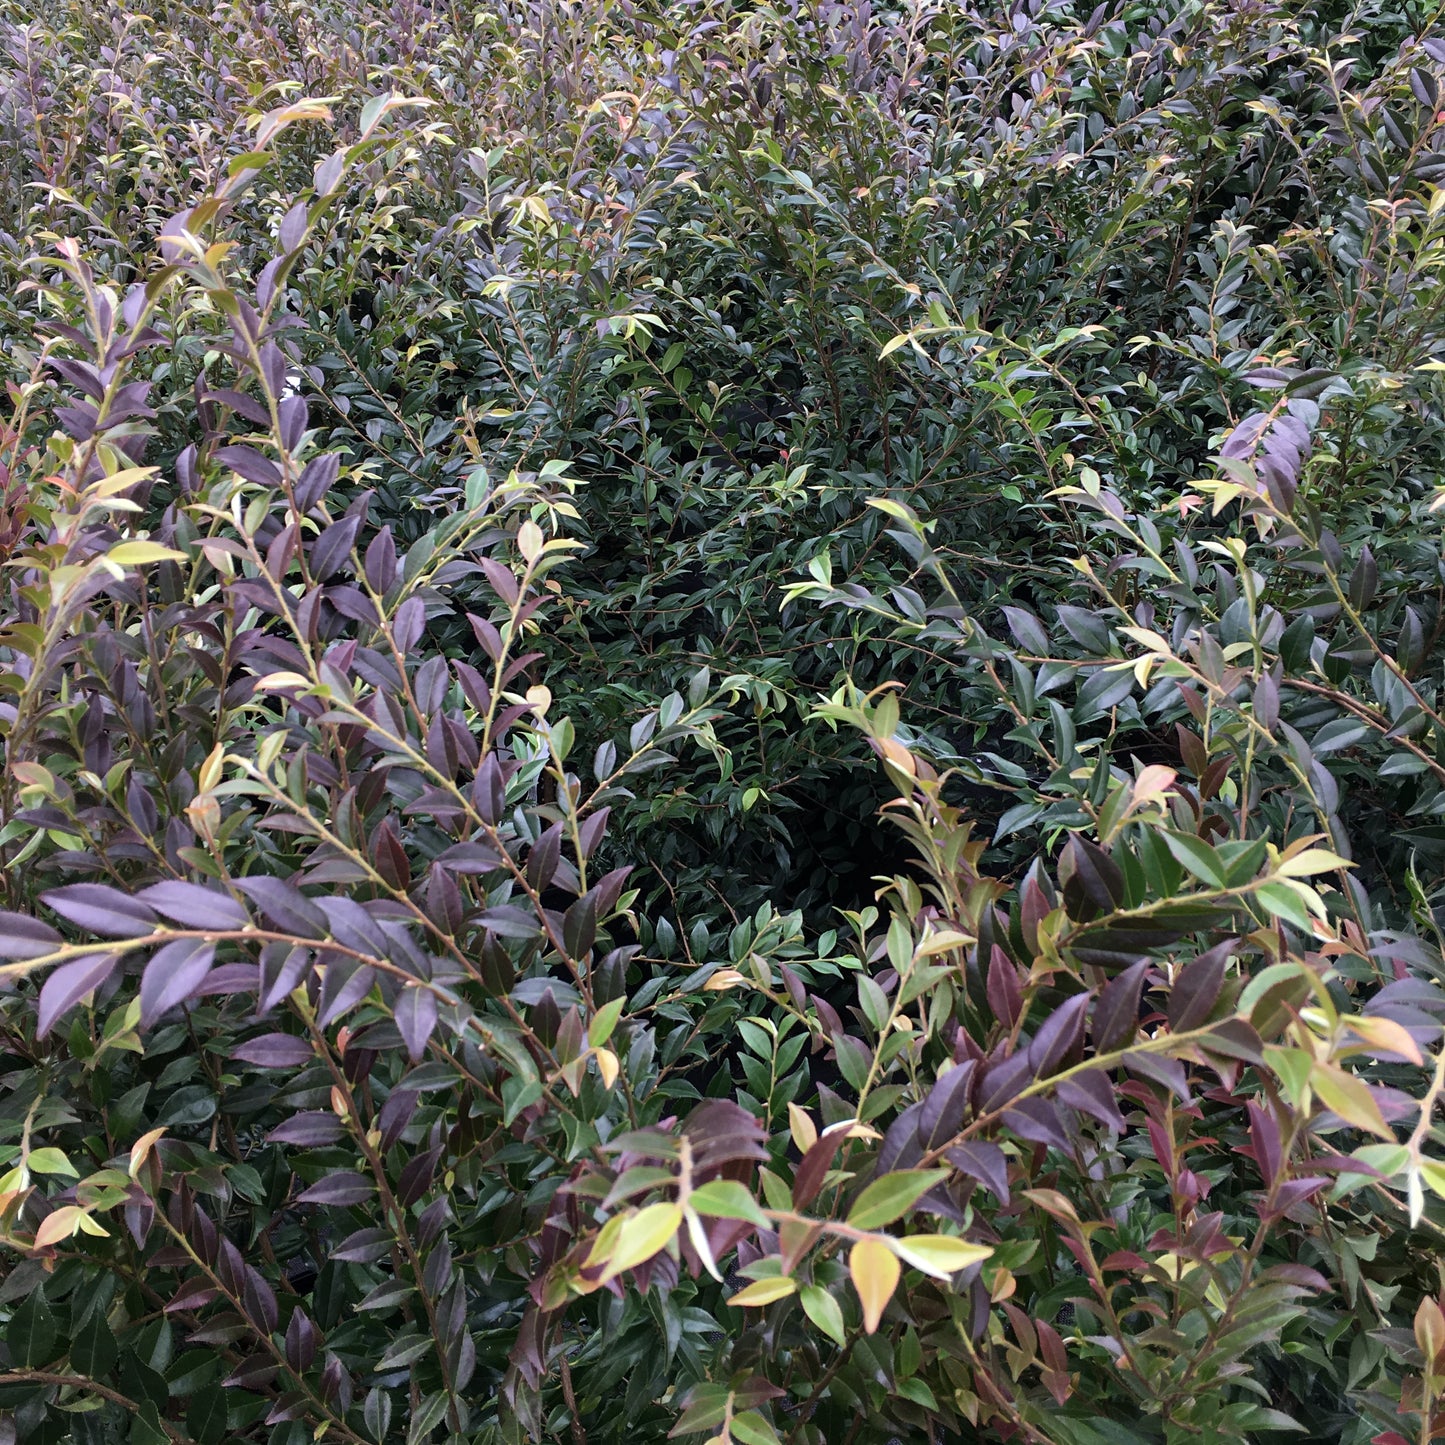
point(722, 722)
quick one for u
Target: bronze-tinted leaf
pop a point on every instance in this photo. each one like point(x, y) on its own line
point(1091, 880)
point(1116, 1015)
point(1197, 987)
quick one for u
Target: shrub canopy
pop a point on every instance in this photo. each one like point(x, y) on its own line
point(722, 722)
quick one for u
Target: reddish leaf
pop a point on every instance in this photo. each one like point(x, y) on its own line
point(814, 1168)
point(1005, 997)
point(1264, 1136)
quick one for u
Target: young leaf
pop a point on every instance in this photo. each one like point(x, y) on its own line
point(875, 1272)
point(727, 1199)
point(764, 1291)
point(892, 1196)
point(1349, 1097)
point(824, 1311)
point(641, 1236)
point(939, 1255)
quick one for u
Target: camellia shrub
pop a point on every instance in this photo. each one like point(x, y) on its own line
point(873, 877)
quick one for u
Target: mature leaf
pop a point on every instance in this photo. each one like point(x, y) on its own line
point(275, 1051)
point(24, 937)
point(192, 906)
point(98, 908)
point(93, 1350)
point(175, 972)
point(65, 986)
point(416, 1017)
point(1116, 1015)
point(310, 1129)
point(341, 1188)
point(284, 906)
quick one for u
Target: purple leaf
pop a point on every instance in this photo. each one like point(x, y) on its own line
point(1197, 987)
point(340, 1188)
point(352, 926)
point(300, 1340)
point(24, 937)
point(1058, 1037)
point(1005, 996)
point(249, 463)
point(1092, 1093)
point(70, 983)
point(1088, 873)
point(380, 562)
point(172, 976)
point(193, 906)
point(98, 908)
point(320, 473)
point(228, 978)
point(285, 906)
point(1168, 1072)
point(1296, 1191)
point(1245, 437)
point(982, 1161)
point(274, 1051)
point(259, 1301)
point(312, 1129)
point(253, 1373)
point(366, 1246)
point(902, 1146)
point(331, 549)
point(416, 1017)
point(1037, 1121)
point(1003, 1079)
point(346, 983)
point(280, 973)
point(395, 1115)
point(507, 921)
point(944, 1108)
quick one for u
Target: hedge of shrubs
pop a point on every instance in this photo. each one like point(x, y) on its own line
point(722, 722)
